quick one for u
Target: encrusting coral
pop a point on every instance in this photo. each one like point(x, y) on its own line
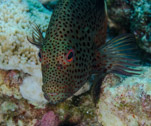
point(10, 82)
point(15, 24)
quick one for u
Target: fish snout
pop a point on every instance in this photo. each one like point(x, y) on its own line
point(56, 92)
point(54, 98)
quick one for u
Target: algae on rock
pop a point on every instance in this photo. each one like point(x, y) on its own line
point(133, 16)
point(127, 103)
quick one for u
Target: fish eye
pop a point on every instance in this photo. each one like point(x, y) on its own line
point(70, 55)
point(39, 54)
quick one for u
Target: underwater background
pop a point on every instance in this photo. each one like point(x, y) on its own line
point(124, 101)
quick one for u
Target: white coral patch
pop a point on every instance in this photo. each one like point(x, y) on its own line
point(31, 89)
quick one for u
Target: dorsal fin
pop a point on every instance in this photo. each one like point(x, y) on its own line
point(101, 21)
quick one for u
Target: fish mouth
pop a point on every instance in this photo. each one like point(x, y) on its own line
point(59, 93)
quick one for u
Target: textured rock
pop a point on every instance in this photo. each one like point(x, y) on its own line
point(10, 82)
point(14, 112)
point(48, 119)
point(127, 102)
point(8, 106)
point(131, 16)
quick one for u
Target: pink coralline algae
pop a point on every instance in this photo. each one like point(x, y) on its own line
point(49, 119)
point(14, 77)
point(146, 104)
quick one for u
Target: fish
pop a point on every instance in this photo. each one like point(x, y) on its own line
point(75, 48)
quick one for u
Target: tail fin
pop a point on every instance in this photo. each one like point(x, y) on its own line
point(118, 55)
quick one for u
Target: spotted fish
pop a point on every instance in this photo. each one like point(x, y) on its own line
point(74, 48)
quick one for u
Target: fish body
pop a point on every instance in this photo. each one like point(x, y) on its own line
point(74, 48)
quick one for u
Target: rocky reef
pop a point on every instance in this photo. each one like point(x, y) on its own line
point(126, 102)
point(123, 100)
point(131, 16)
point(16, 110)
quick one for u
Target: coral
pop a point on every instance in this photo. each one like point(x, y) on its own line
point(6, 106)
point(80, 110)
point(131, 16)
point(48, 119)
point(126, 102)
point(146, 103)
point(33, 92)
point(13, 109)
point(16, 53)
point(10, 82)
point(14, 112)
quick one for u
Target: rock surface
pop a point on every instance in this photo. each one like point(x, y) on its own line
point(48, 119)
point(127, 102)
point(133, 16)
